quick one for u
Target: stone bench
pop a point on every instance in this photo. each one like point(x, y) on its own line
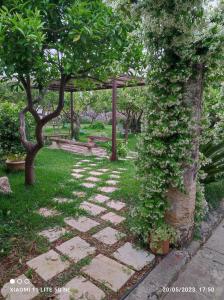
point(59, 142)
point(92, 139)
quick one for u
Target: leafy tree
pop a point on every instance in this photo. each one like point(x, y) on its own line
point(43, 40)
point(184, 42)
point(130, 104)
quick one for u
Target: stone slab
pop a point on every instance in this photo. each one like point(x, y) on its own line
point(108, 271)
point(79, 194)
point(62, 200)
point(77, 176)
point(206, 269)
point(95, 173)
point(99, 198)
point(216, 241)
point(112, 182)
point(88, 185)
point(85, 160)
point(116, 172)
point(113, 218)
point(46, 212)
point(24, 289)
point(78, 170)
point(161, 276)
point(117, 205)
point(107, 189)
point(53, 234)
point(109, 236)
point(115, 176)
point(80, 288)
point(136, 258)
point(92, 209)
point(76, 248)
point(48, 265)
point(93, 179)
point(82, 224)
point(92, 165)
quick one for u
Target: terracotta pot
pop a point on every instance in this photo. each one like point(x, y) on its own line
point(162, 249)
point(15, 165)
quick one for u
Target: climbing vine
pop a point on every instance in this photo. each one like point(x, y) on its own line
point(177, 46)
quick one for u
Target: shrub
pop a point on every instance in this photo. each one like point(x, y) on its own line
point(97, 125)
point(9, 130)
point(122, 149)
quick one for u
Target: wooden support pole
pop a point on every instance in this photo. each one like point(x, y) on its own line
point(114, 121)
point(72, 115)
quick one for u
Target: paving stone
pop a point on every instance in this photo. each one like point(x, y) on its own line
point(24, 289)
point(79, 194)
point(48, 265)
point(109, 236)
point(117, 205)
point(93, 165)
point(122, 169)
point(95, 173)
point(76, 248)
point(107, 189)
point(115, 176)
point(77, 175)
point(82, 224)
point(99, 198)
point(215, 242)
point(103, 170)
point(53, 234)
point(116, 172)
point(88, 185)
point(85, 160)
point(135, 258)
point(93, 209)
point(80, 288)
point(87, 168)
point(108, 272)
point(112, 182)
point(62, 200)
point(46, 212)
point(113, 218)
point(78, 170)
point(93, 179)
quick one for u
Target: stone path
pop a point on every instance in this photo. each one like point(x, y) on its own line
point(204, 274)
point(99, 236)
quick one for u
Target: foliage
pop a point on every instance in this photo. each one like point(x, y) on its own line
point(214, 193)
point(201, 206)
point(179, 37)
point(213, 166)
point(162, 233)
point(9, 132)
point(97, 125)
point(122, 149)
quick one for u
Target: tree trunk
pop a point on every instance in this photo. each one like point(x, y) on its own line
point(29, 168)
point(182, 205)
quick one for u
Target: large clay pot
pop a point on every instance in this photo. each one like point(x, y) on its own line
point(15, 165)
point(162, 249)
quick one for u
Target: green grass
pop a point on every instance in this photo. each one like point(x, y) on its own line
point(214, 193)
point(19, 222)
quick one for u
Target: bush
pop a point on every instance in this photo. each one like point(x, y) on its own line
point(122, 149)
point(9, 129)
point(97, 125)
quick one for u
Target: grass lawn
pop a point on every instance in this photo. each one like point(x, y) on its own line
point(19, 222)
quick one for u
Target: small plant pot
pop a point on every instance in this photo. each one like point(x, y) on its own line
point(163, 247)
point(15, 165)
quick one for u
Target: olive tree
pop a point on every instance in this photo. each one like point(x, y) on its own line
point(45, 40)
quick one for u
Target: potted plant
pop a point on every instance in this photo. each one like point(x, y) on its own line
point(161, 237)
point(15, 162)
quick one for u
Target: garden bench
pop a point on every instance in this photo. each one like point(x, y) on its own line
point(92, 139)
point(59, 142)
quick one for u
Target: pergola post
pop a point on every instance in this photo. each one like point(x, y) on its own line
point(114, 121)
point(72, 115)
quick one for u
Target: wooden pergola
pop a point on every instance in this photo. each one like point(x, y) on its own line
point(91, 84)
